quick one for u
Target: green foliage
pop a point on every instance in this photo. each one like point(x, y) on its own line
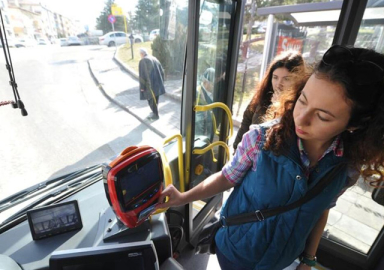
point(182, 16)
point(160, 50)
point(244, 91)
point(102, 22)
point(250, 83)
point(147, 16)
point(171, 52)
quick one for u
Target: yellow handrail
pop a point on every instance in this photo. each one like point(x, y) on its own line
point(200, 108)
point(209, 147)
point(167, 170)
point(180, 159)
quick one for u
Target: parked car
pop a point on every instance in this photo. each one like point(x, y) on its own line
point(63, 42)
point(118, 38)
point(74, 41)
point(43, 41)
point(138, 38)
point(25, 42)
point(153, 34)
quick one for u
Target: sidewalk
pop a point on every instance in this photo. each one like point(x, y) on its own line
point(120, 85)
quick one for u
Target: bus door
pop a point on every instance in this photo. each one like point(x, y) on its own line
point(354, 236)
point(212, 32)
point(212, 48)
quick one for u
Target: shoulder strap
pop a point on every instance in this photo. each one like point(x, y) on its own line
point(260, 215)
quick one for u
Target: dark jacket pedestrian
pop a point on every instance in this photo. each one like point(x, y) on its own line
point(151, 75)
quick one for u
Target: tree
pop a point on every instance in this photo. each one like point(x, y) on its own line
point(102, 22)
point(147, 16)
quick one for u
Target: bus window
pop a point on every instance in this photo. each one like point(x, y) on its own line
point(357, 220)
point(277, 29)
point(371, 31)
point(66, 66)
point(213, 45)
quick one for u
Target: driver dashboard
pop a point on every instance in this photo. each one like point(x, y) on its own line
point(93, 234)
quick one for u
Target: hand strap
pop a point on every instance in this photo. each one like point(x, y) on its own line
point(260, 215)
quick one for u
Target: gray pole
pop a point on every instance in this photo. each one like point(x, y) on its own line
point(114, 35)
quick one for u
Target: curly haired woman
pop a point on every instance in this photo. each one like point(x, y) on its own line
point(335, 117)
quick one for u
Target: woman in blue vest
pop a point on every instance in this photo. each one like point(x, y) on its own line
point(336, 115)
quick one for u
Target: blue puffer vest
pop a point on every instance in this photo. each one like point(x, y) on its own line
point(279, 180)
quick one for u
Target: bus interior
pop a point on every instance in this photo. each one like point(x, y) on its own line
point(210, 34)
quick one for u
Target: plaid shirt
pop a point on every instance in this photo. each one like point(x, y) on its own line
point(337, 147)
point(248, 150)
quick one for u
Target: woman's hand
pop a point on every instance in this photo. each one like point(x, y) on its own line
point(303, 266)
point(214, 184)
point(175, 197)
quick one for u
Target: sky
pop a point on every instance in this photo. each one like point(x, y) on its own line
point(85, 10)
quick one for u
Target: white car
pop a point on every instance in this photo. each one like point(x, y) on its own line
point(74, 41)
point(25, 42)
point(118, 38)
point(63, 42)
point(153, 34)
point(43, 41)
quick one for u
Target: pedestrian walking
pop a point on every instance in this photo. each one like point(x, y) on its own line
point(151, 76)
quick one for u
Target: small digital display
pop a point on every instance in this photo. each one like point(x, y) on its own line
point(54, 219)
point(140, 177)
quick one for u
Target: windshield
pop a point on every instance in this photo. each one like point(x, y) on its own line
point(82, 110)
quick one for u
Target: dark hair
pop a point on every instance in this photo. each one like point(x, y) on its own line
point(365, 146)
point(290, 60)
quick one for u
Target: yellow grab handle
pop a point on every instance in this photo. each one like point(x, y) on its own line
point(209, 147)
point(221, 105)
point(167, 170)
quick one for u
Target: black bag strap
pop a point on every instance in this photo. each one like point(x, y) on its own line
point(260, 215)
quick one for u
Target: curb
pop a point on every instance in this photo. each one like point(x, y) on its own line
point(102, 90)
point(175, 97)
point(124, 67)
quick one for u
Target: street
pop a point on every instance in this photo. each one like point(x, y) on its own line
point(70, 123)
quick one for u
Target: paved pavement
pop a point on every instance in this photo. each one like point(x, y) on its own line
point(120, 84)
point(122, 88)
